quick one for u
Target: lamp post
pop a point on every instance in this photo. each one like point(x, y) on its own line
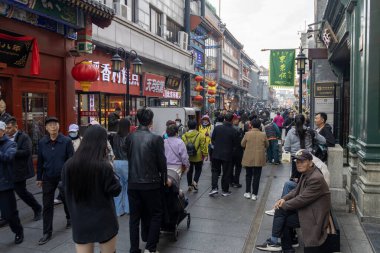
point(301, 62)
point(116, 67)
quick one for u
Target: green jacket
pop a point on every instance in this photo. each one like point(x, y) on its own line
point(199, 143)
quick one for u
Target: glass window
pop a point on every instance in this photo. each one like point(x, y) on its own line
point(155, 21)
point(172, 30)
point(34, 112)
point(230, 71)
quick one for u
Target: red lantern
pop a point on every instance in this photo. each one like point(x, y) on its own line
point(198, 88)
point(211, 84)
point(198, 98)
point(211, 92)
point(198, 78)
point(85, 73)
point(211, 100)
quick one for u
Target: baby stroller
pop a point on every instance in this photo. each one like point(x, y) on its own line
point(175, 212)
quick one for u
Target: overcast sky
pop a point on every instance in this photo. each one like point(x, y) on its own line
point(259, 24)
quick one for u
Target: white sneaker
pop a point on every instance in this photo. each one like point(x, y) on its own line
point(247, 195)
point(254, 197)
point(270, 212)
point(147, 251)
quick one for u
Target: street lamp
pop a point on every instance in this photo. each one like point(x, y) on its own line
point(301, 62)
point(116, 67)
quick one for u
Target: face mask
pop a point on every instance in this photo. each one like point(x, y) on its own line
point(205, 123)
point(73, 134)
point(178, 123)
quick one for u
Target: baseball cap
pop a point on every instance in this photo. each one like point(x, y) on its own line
point(303, 154)
point(51, 119)
point(73, 128)
point(2, 125)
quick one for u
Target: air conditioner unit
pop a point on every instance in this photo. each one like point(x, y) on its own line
point(183, 40)
point(123, 11)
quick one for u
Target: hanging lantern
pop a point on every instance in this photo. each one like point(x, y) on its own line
point(85, 73)
point(198, 88)
point(211, 100)
point(198, 79)
point(211, 91)
point(211, 83)
point(198, 98)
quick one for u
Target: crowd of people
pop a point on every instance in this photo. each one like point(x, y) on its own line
point(100, 177)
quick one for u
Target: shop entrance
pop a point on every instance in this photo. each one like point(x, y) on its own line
point(32, 100)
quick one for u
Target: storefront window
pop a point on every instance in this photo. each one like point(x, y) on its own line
point(34, 112)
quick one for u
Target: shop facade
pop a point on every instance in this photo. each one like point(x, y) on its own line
point(110, 91)
point(37, 84)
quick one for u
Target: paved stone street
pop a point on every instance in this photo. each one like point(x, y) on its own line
point(220, 224)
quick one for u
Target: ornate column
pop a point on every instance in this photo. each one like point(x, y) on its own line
point(366, 120)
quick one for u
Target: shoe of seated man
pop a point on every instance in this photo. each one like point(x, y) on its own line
point(268, 245)
point(270, 212)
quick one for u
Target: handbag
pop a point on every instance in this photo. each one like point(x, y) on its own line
point(286, 157)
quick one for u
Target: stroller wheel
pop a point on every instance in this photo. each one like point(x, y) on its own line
point(176, 233)
point(188, 221)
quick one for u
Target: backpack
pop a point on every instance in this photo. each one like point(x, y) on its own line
point(318, 150)
point(190, 147)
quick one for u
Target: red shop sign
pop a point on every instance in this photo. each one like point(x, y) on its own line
point(109, 81)
point(89, 113)
point(154, 85)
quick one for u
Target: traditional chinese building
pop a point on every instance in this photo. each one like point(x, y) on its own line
point(37, 40)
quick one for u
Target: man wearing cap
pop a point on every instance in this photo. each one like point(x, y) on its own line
point(307, 206)
point(54, 150)
point(8, 205)
point(23, 166)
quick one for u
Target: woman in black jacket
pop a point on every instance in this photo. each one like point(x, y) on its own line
point(89, 185)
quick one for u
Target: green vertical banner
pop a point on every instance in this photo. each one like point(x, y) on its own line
point(281, 68)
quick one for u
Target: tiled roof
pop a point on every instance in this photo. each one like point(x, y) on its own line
point(101, 14)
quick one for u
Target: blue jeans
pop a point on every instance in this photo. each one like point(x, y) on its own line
point(121, 201)
point(288, 187)
point(273, 151)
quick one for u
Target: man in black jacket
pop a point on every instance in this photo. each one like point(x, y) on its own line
point(224, 138)
point(8, 205)
point(324, 129)
point(54, 150)
point(146, 178)
point(23, 165)
point(113, 120)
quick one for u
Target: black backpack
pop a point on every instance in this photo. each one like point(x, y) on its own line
point(190, 147)
point(319, 150)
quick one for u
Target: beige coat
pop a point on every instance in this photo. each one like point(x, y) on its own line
point(255, 143)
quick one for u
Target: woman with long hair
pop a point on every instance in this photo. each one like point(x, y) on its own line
point(121, 165)
point(89, 184)
point(300, 137)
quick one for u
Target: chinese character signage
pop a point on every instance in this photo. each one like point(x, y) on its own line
point(14, 53)
point(173, 82)
point(172, 94)
point(154, 85)
point(325, 90)
point(281, 70)
point(112, 82)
